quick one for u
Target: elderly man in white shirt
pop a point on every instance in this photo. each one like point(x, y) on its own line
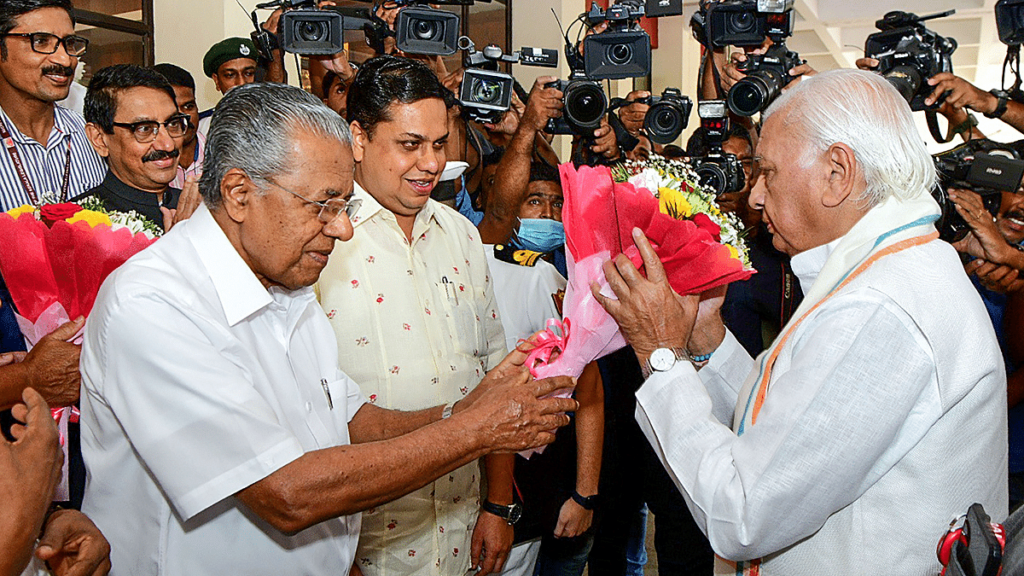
point(878, 414)
point(219, 433)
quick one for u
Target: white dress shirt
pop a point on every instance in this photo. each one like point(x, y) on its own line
point(197, 383)
point(885, 419)
point(525, 295)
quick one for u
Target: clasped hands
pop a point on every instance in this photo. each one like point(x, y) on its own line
point(651, 315)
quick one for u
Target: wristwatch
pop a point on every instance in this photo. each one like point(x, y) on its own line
point(663, 359)
point(585, 502)
point(510, 513)
point(1002, 97)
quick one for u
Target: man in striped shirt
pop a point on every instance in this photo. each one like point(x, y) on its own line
point(45, 153)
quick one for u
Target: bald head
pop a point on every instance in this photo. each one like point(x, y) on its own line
point(862, 110)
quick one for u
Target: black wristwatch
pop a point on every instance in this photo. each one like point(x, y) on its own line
point(510, 513)
point(586, 502)
point(1002, 97)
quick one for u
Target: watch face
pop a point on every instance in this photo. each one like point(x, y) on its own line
point(662, 359)
point(515, 511)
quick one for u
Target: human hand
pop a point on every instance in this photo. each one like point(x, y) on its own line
point(12, 358)
point(869, 64)
point(509, 122)
point(649, 313)
point(632, 115)
point(273, 23)
point(995, 277)
point(709, 328)
point(960, 93)
point(51, 367)
point(544, 103)
point(509, 411)
point(985, 241)
point(30, 467)
point(491, 543)
point(605, 143)
point(73, 546)
point(573, 520)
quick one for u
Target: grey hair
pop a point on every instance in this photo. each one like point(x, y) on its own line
point(862, 110)
point(252, 128)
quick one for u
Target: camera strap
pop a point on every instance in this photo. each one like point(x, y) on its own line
point(933, 126)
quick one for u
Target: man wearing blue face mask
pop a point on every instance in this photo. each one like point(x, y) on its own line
point(559, 489)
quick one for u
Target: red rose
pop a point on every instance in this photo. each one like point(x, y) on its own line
point(704, 221)
point(56, 212)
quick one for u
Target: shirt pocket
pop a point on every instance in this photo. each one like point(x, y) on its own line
point(463, 304)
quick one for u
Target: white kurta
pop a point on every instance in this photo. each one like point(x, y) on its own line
point(884, 420)
point(198, 382)
point(417, 326)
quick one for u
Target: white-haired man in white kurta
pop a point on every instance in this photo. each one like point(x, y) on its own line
point(879, 413)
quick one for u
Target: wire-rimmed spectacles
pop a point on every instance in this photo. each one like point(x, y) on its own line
point(46, 43)
point(330, 208)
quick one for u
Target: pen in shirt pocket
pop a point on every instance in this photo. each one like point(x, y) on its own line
point(450, 290)
point(327, 392)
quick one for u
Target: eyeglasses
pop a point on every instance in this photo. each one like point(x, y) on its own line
point(45, 43)
point(147, 130)
point(329, 209)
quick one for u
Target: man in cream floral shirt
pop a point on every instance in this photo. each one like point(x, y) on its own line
point(411, 302)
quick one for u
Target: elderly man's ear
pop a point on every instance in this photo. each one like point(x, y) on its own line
point(844, 178)
point(236, 191)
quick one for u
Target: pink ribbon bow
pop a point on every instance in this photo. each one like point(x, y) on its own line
point(546, 344)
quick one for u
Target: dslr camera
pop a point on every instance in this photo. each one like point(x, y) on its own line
point(985, 167)
point(667, 116)
point(767, 74)
point(624, 49)
point(718, 170)
point(909, 54)
point(742, 22)
point(486, 93)
point(584, 103)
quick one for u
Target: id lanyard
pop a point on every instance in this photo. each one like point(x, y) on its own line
point(19, 167)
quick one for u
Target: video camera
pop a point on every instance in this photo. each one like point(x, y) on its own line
point(718, 170)
point(624, 49)
point(742, 22)
point(909, 54)
point(486, 93)
point(309, 30)
point(985, 167)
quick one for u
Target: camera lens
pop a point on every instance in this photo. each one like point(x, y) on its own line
point(429, 30)
point(485, 91)
point(741, 22)
point(664, 123)
point(906, 80)
point(754, 93)
point(311, 31)
point(620, 54)
point(712, 176)
point(585, 105)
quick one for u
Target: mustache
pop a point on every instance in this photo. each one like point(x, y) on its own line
point(156, 155)
point(1016, 215)
point(59, 70)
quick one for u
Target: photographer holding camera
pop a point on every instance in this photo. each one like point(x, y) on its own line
point(960, 94)
point(993, 242)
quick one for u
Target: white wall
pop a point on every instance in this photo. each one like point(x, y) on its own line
point(183, 30)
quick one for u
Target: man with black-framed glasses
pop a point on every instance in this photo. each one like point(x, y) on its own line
point(134, 122)
point(45, 155)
